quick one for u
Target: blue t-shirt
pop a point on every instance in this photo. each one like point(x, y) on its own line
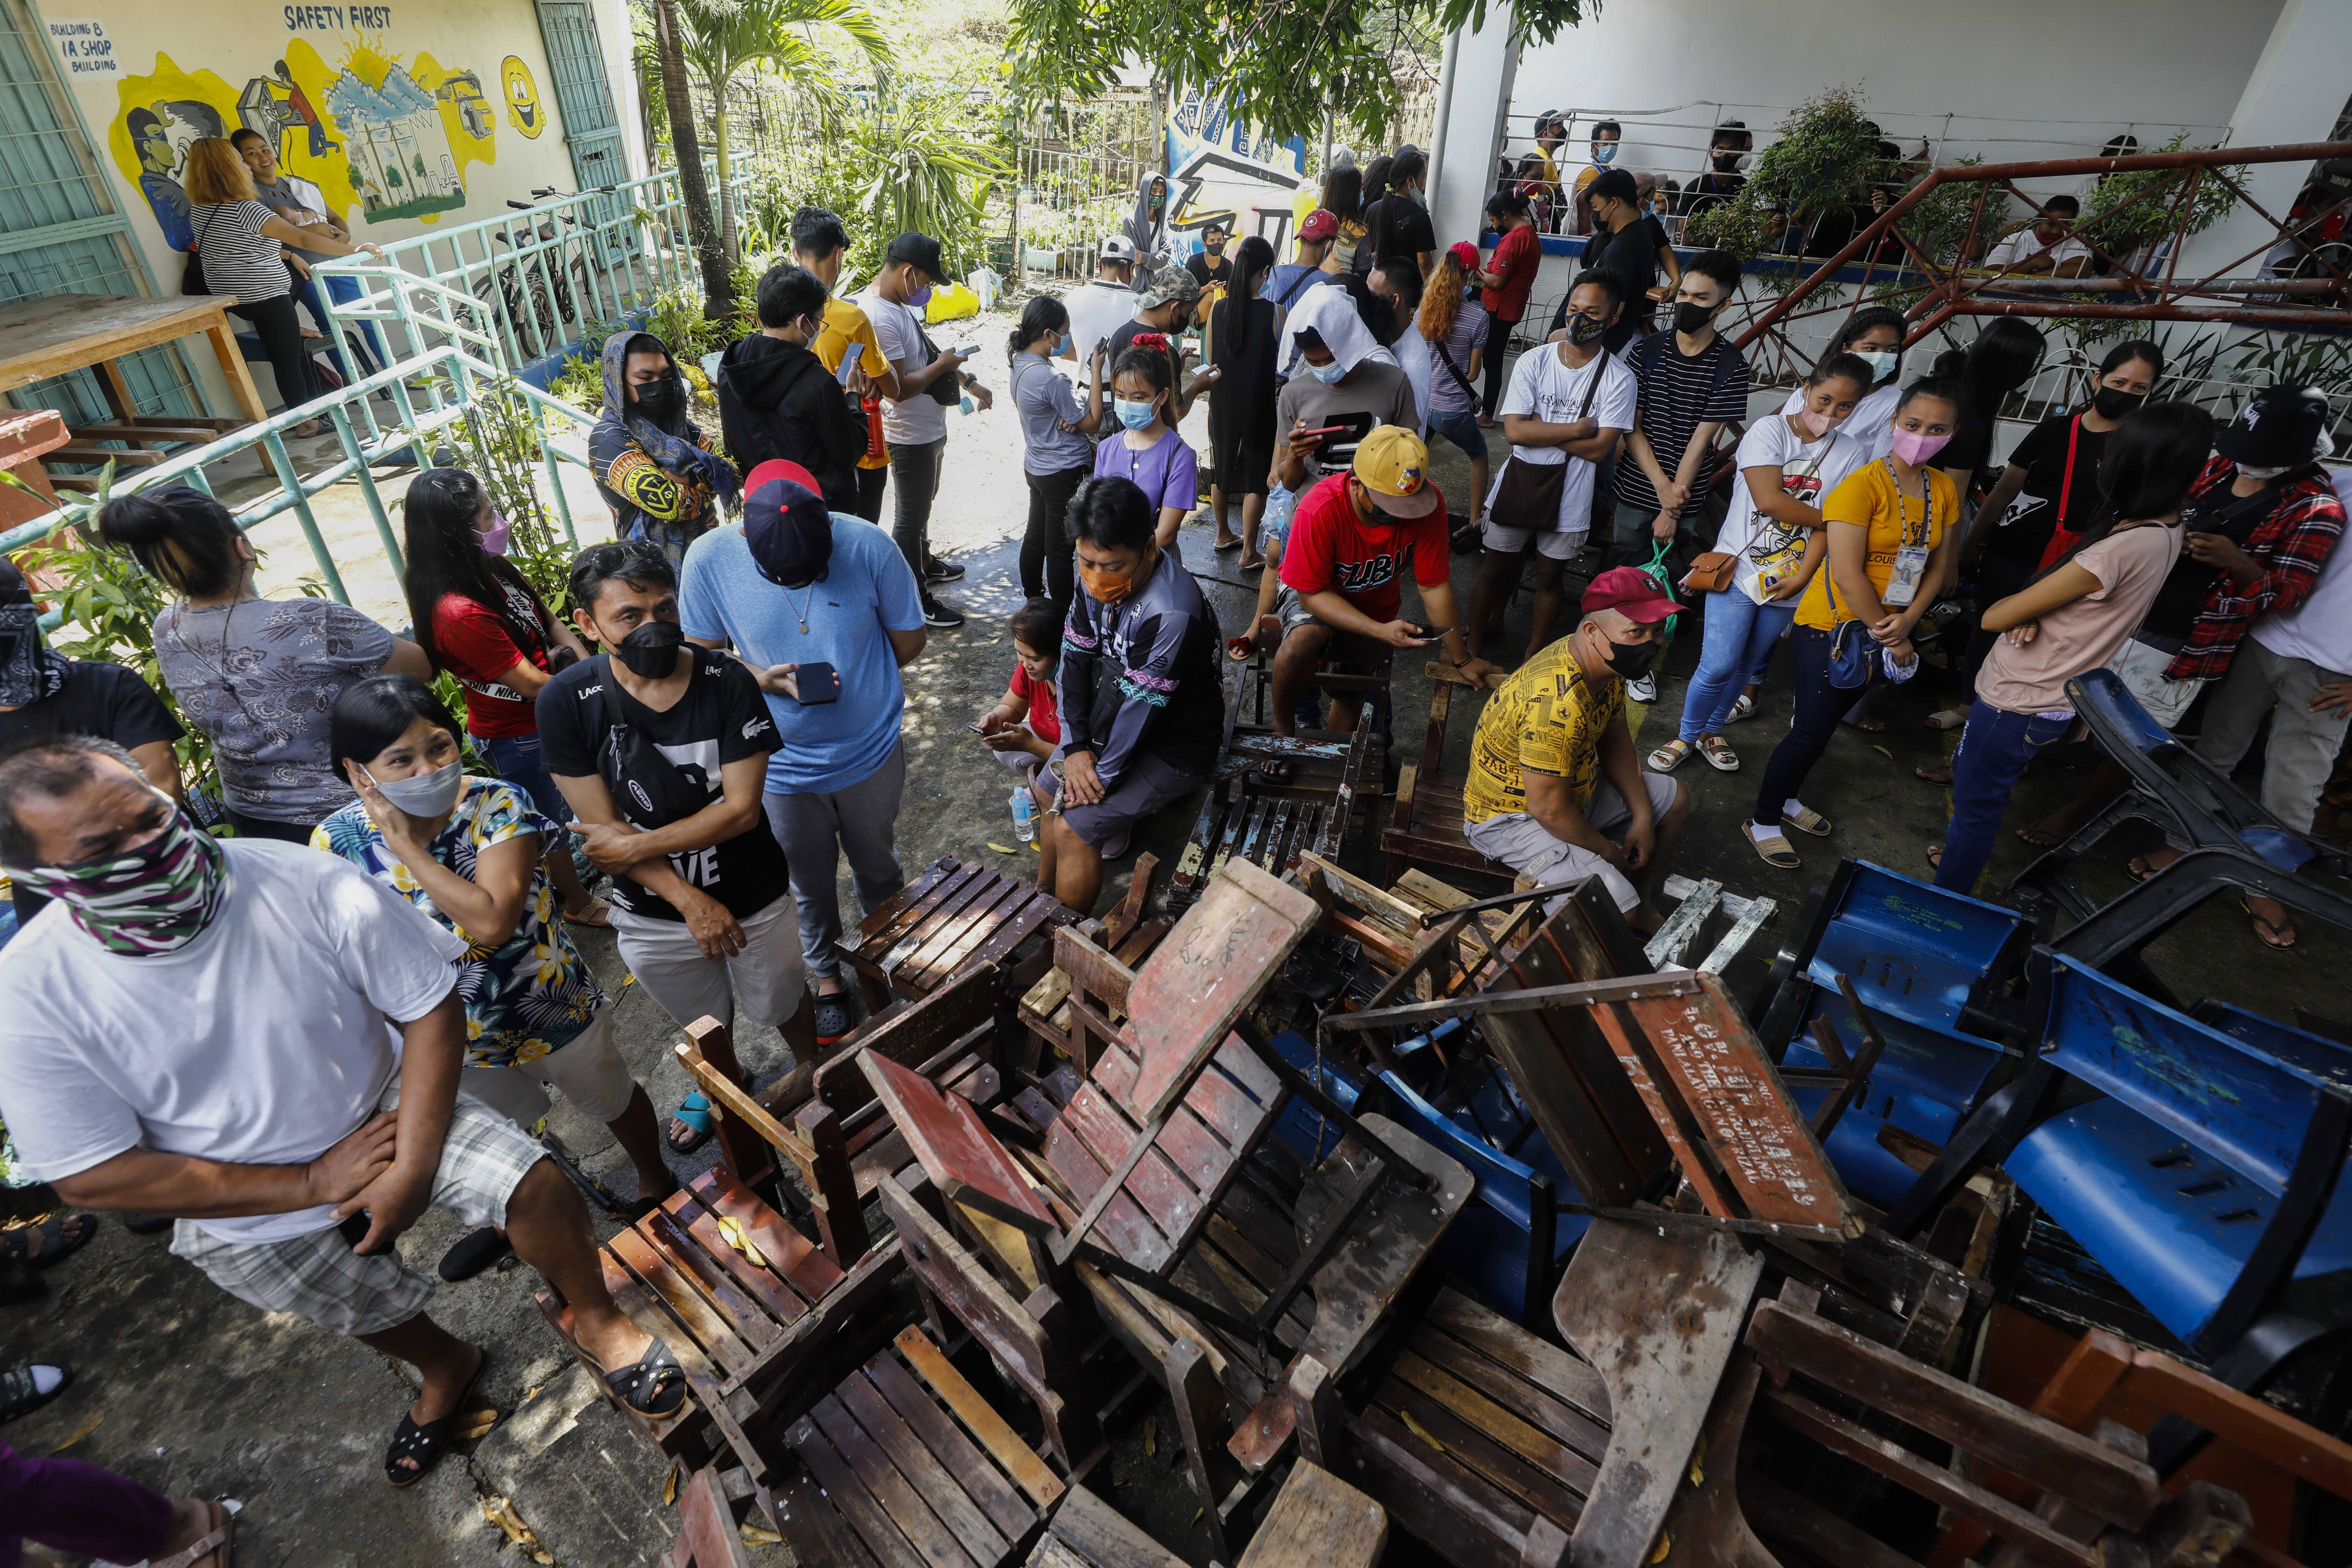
point(866, 589)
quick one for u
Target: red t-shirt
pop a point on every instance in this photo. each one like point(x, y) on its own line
point(476, 646)
point(1330, 548)
point(1044, 715)
point(1517, 254)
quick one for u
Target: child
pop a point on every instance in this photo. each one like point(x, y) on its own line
point(1026, 725)
point(1146, 450)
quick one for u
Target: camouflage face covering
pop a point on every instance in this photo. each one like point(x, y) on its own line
point(155, 899)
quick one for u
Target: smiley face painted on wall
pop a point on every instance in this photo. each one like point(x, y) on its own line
point(523, 112)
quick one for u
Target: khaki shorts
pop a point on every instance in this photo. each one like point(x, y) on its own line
point(1552, 543)
point(1520, 842)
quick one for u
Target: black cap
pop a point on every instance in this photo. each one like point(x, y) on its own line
point(787, 524)
point(2281, 428)
point(920, 249)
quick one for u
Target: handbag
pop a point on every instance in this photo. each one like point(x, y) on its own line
point(947, 391)
point(192, 280)
point(1534, 489)
point(1711, 573)
point(1851, 656)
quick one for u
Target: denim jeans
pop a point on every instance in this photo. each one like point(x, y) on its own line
point(1819, 707)
point(1994, 749)
point(520, 763)
point(1738, 638)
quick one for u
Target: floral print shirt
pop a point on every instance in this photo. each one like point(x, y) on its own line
point(531, 995)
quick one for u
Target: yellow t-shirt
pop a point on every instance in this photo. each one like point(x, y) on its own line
point(846, 324)
point(1549, 715)
point(1868, 499)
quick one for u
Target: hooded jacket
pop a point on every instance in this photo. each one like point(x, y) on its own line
point(777, 400)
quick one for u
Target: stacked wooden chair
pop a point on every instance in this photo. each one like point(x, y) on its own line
point(956, 914)
point(1424, 827)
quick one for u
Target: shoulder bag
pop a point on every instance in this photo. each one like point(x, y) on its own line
point(1534, 489)
point(192, 280)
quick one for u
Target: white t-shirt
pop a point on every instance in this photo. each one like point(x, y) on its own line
point(899, 332)
point(1870, 426)
point(2320, 628)
point(1096, 311)
point(262, 1042)
point(1809, 471)
point(1543, 388)
point(1411, 354)
point(2023, 246)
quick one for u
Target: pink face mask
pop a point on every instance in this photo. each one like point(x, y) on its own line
point(494, 538)
point(1914, 447)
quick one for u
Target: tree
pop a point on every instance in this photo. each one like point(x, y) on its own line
point(721, 39)
point(1278, 63)
point(685, 146)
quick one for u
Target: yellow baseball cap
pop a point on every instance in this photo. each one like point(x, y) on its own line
point(1394, 465)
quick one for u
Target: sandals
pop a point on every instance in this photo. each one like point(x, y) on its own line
point(1941, 777)
point(1775, 851)
point(598, 914)
point(20, 1392)
point(1947, 719)
point(694, 1111)
point(1868, 726)
point(1221, 545)
point(38, 1242)
point(1743, 709)
point(1935, 853)
point(218, 1539)
point(1669, 757)
point(1718, 753)
point(2278, 935)
point(652, 1386)
point(1805, 819)
point(2140, 870)
point(1275, 770)
point(423, 1443)
point(2038, 836)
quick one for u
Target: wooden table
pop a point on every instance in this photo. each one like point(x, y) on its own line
point(61, 333)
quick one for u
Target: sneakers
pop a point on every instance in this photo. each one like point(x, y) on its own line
point(938, 612)
point(938, 571)
point(1644, 690)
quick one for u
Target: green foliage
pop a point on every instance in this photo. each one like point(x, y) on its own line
point(912, 170)
point(2116, 220)
point(1825, 156)
point(581, 382)
point(678, 319)
point(1738, 226)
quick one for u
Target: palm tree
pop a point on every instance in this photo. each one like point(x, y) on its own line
point(719, 38)
point(718, 281)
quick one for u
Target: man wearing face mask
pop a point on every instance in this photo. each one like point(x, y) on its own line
point(661, 752)
point(1607, 135)
point(652, 463)
point(263, 1042)
point(776, 399)
point(1163, 306)
point(1726, 154)
point(930, 383)
point(1555, 792)
point(1211, 265)
point(1625, 246)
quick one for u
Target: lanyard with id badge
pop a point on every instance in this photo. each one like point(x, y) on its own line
point(1910, 555)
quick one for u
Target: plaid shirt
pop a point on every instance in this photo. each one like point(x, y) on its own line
point(2290, 545)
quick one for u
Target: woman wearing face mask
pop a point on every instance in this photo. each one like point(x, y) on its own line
point(467, 852)
point(1788, 464)
point(1874, 336)
point(1056, 439)
point(2071, 618)
point(479, 618)
point(652, 463)
point(1892, 540)
point(255, 675)
point(1146, 450)
point(1243, 332)
point(2003, 357)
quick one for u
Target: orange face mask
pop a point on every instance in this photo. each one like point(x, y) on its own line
point(1107, 587)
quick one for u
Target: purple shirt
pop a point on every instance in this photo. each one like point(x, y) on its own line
point(1166, 472)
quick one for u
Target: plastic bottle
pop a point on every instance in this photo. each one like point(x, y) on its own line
point(1025, 815)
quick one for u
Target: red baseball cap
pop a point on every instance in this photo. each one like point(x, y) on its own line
point(781, 469)
point(1320, 224)
point(1464, 254)
point(1634, 594)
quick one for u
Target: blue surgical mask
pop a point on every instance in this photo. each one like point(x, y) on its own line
point(1606, 153)
point(1133, 415)
point(1061, 346)
point(1881, 365)
point(1329, 374)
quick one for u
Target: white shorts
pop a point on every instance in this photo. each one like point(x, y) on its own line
point(764, 983)
point(588, 1068)
point(1553, 543)
point(1520, 842)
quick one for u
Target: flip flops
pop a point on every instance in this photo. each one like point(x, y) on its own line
point(217, 1539)
point(423, 1443)
point(18, 1242)
point(694, 1111)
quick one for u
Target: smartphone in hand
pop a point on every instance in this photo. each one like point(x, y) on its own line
point(849, 358)
point(817, 683)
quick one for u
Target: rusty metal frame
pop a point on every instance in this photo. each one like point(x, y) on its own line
point(1955, 290)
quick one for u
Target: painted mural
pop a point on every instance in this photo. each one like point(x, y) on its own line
point(1226, 170)
point(381, 138)
point(523, 112)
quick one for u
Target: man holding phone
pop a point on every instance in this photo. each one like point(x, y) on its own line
point(777, 398)
point(846, 344)
point(803, 593)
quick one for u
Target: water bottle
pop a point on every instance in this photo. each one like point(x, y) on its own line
point(1025, 815)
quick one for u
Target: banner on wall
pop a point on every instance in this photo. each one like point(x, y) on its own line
point(1226, 170)
point(383, 135)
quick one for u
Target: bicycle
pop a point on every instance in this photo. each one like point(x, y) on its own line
point(547, 293)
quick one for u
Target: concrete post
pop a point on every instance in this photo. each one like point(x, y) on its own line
point(2295, 93)
point(1470, 134)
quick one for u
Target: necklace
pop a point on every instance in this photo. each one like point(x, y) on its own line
point(800, 611)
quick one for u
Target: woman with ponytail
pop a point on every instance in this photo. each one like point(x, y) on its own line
point(1057, 450)
point(1243, 332)
point(1454, 325)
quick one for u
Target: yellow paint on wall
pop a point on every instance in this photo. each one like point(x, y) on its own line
point(521, 91)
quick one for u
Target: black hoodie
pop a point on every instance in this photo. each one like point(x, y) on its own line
point(777, 400)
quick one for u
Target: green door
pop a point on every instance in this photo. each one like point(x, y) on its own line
point(60, 229)
point(591, 129)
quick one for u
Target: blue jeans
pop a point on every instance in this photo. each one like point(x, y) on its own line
point(1738, 639)
point(519, 762)
point(1462, 429)
point(1994, 749)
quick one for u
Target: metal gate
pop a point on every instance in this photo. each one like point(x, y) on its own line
point(60, 229)
point(582, 94)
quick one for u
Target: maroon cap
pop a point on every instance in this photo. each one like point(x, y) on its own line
point(1320, 224)
point(1630, 592)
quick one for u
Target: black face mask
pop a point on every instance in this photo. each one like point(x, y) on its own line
point(1726, 162)
point(2113, 404)
point(651, 651)
point(1633, 660)
point(662, 401)
point(1583, 329)
point(1690, 318)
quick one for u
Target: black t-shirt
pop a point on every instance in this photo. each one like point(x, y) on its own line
point(102, 699)
point(1120, 342)
point(1630, 256)
point(1971, 447)
point(1394, 226)
point(2210, 511)
point(1207, 269)
point(721, 719)
point(2023, 531)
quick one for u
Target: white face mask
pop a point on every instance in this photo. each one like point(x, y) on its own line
point(2264, 474)
point(424, 795)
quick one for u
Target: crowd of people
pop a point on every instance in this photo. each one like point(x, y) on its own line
point(282, 1043)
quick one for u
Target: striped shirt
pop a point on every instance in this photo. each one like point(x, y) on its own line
point(238, 257)
point(1679, 393)
point(1446, 393)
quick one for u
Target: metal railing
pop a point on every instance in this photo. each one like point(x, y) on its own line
point(448, 383)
